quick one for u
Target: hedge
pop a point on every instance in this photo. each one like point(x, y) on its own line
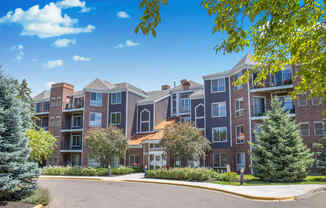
point(77, 171)
point(188, 174)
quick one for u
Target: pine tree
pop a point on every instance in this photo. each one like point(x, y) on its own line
point(279, 154)
point(17, 175)
point(25, 92)
point(321, 153)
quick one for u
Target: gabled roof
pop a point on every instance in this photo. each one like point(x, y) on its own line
point(156, 135)
point(99, 84)
point(42, 96)
point(244, 62)
point(198, 94)
point(193, 85)
point(126, 85)
point(153, 96)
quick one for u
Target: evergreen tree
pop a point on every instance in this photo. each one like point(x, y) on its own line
point(17, 175)
point(321, 160)
point(25, 92)
point(280, 154)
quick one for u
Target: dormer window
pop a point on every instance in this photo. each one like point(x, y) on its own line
point(145, 120)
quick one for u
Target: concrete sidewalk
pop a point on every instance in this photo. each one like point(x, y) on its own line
point(271, 192)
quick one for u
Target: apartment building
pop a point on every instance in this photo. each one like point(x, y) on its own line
point(227, 115)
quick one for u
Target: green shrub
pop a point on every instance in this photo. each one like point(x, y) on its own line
point(77, 171)
point(189, 174)
point(88, 172)
point(122, 170)
point(229, 176)
point(38, 196)
point(54, 170)
point(101, 171)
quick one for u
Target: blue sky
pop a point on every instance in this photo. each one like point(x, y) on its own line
point(77, 41)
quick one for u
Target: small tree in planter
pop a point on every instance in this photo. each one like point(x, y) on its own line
point(280, 154)
point(185, 141)
point(17, 175)
point(106, 143)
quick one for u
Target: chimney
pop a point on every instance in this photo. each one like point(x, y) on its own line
point(165, 87)
point(186, 84)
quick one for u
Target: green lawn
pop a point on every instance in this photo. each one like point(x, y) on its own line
point(253, 181)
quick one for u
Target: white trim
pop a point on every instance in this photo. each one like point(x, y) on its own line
point(153, 116)
point(201, 117)
point(211, 88)
point(95, 119)
point(241, 110)
point(271, 88)
point(250, 128)
point(137, 128)
point(41, 113)
point(204, 111)
point(127, 103)
point(177, 103)
point(181, 101)
point(71, 130)
point(219, 127)
point(230, 111)
point(149, 120)
point(161, 98)
point(218, 103)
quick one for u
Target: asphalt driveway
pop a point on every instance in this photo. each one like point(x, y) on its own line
point(99, 194)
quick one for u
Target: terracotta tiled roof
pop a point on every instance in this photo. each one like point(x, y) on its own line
point(156, 135)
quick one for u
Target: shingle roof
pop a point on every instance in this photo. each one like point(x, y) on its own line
point(43, 95)
point(126, 85)
point(198, 94)
point(193, 85)
point(99, 84)
point(78, 93)
point(153, 95)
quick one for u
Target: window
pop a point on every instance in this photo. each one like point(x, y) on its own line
point(219, 134)
point(133, 160)
point(240, 136)
point(238, 107)
point(53, 101)
point(145, 120)
point(96, 99)
point(185, 105)
point(259, 106)
point(76, 141)
point(219, 159)
point(77, 122)
point(316, 101)
point(319, 128)
point(58, 101)
point(302, 100)
point(37, 107)
point(240, 160)
point(304, 129)
point(115, 118)
point(116, 98)
point(45, 123)
point(256, 131)
point(218, 85)
point(95, 119)
point(218, 109)
point(236, 77)
point(287, 103)
point(58, 121)
point(46, 106)
point(283, 77)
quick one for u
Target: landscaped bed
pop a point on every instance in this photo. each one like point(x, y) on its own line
point(230, 178)
point(77, 171)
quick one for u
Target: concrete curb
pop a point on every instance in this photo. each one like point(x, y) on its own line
point(288, 198)
point(68, 178)
point(39, 206)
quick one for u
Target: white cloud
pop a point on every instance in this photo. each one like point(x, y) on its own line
point(81, 58)
point(62, 43)
point(45, 22)
point(54, 64)
point(123, 15)
point(48, 85)
point(19, 50)
point(128, 43)
point(65, 4)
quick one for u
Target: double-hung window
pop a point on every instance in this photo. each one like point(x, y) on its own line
point(116, 98)
point(115, 118)
point(77, 122)
point(219, 109)
point(240, 136)
point(145, 120)
point(238, 107)
point(259, 106)
point(304, 129)
point(95, 119)
point(76, 141)
point(218, 85)
point(96, 99)
point(319, 128)
point(219, 134)
point(185, 105)
point(220, 160)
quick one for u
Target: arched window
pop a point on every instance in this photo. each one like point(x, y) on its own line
point(145, 120)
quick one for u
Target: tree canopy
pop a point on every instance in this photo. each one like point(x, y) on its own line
point(106, 143)
point(185, 141)
point(42, 144)
point(280, 32)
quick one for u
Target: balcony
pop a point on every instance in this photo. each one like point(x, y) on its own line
point(71, 148)
point(74, 107)
point(72, 128)
point(261, 112)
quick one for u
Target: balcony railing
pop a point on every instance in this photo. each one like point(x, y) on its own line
point(78, 105)
point(68, 147)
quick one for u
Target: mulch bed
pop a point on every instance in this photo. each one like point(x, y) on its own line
point(16, 205)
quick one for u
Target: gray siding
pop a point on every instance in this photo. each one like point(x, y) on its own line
point(217, 122)
point(150, 108)
point(132, 117)
point(119, 108)
point(161, 111)
point(199, 123)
